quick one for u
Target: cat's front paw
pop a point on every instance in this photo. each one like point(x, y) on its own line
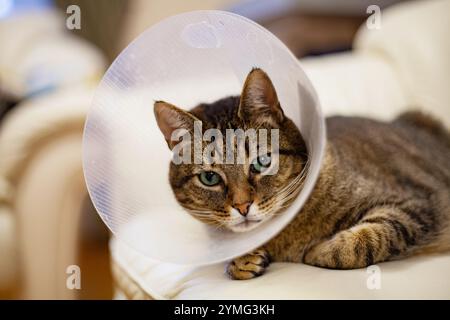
point(250, 266)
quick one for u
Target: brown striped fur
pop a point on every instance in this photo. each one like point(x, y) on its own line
point(383, 192)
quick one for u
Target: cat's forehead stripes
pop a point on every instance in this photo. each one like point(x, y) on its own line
point(221, 115)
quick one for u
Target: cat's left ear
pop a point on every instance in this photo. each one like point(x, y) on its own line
point(259, 101)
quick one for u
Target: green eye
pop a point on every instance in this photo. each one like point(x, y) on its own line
point(209, 178)
point(261, 163)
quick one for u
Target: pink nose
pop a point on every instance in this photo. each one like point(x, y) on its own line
point(243, 208)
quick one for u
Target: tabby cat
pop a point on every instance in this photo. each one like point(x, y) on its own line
point(383, 192)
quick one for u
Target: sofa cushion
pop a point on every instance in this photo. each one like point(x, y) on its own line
point(425, 277)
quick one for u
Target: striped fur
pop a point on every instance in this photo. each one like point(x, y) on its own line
point(383, 192)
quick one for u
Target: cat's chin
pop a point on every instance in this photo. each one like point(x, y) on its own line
point(245, 226)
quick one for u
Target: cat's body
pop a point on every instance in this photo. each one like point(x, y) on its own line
point(383, 192)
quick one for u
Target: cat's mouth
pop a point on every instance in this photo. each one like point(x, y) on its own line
point(245, 225)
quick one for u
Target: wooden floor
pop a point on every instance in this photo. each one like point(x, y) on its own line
point(97, 280)
point(94, 258)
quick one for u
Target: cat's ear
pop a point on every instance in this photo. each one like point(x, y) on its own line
point(171, 118)
point(259, 101)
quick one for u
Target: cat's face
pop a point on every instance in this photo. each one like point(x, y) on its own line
point(235, 196)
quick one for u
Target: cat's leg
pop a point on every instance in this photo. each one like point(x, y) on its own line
point(384, 233)
point(249, 266)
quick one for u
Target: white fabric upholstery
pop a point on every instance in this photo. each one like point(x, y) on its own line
point(414, 39)
point(42, 193)
point(414, 278)
point(404, 63)
point(42, 55)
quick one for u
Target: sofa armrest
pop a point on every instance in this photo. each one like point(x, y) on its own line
point(40, 155)
point(49, 197)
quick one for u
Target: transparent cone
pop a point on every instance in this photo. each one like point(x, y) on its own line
point(187, 59)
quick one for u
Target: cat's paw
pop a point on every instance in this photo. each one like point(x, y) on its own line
point(250, 266)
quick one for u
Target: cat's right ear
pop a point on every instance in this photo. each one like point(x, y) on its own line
point(171, 118)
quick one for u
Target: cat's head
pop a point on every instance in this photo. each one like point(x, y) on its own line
point(237, 196)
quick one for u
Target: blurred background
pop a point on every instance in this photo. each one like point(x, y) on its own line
point(47, 75)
